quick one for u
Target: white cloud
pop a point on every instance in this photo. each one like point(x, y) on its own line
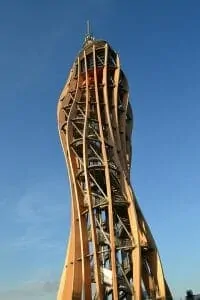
point(37, 215)
point(31, 290)
point(33, 225)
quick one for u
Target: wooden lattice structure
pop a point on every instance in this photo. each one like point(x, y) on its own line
point(111, 252)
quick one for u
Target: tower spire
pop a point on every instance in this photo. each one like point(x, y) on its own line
point(88, 37)
point(88, 27)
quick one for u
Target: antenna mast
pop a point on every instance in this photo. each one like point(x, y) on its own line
point(88, 27)
point(88, 36)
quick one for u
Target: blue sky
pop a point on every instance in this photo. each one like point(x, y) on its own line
point(158, 43)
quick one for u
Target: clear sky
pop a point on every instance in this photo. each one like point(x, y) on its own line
point(159, 47)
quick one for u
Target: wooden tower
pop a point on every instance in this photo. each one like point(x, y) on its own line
point(111, 252)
